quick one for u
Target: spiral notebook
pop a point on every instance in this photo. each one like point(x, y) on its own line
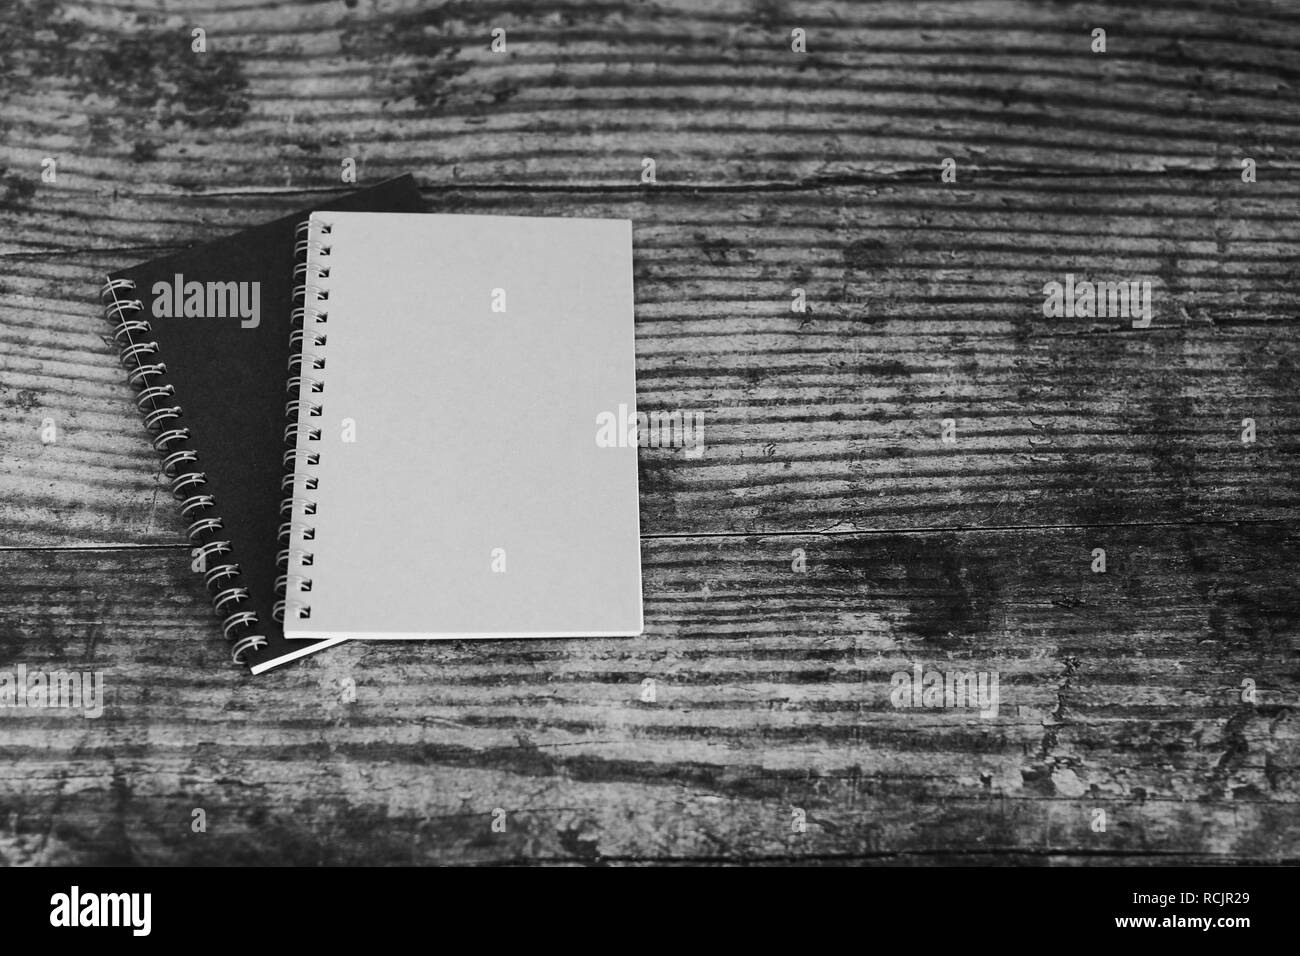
point(460, 470)
point(204, 336)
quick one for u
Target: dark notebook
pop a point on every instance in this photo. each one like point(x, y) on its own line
point(204, 335)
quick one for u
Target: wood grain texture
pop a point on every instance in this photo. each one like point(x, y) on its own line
point(586, 90)
point(1120, 691)
point(831, 418)
point(772, 692)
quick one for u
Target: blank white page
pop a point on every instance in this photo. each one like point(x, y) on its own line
point(461, 490)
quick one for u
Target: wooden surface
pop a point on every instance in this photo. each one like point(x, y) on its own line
point(1120, 691)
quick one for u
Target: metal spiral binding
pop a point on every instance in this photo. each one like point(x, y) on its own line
point(180, 464)
point(308, 295)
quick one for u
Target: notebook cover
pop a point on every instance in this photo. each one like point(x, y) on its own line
point(463, 489)
point(229, 377)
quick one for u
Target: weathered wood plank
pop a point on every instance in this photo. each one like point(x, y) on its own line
point(584, 91)
point(772, 692)
point(831, 417)
point(1119, 691)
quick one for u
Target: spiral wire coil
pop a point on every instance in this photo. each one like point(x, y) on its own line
point(309, 294)
point(156, 400)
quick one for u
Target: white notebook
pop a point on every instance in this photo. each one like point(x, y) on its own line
point(448, 470)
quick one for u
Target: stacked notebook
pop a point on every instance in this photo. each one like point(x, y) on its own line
point(382, 424)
